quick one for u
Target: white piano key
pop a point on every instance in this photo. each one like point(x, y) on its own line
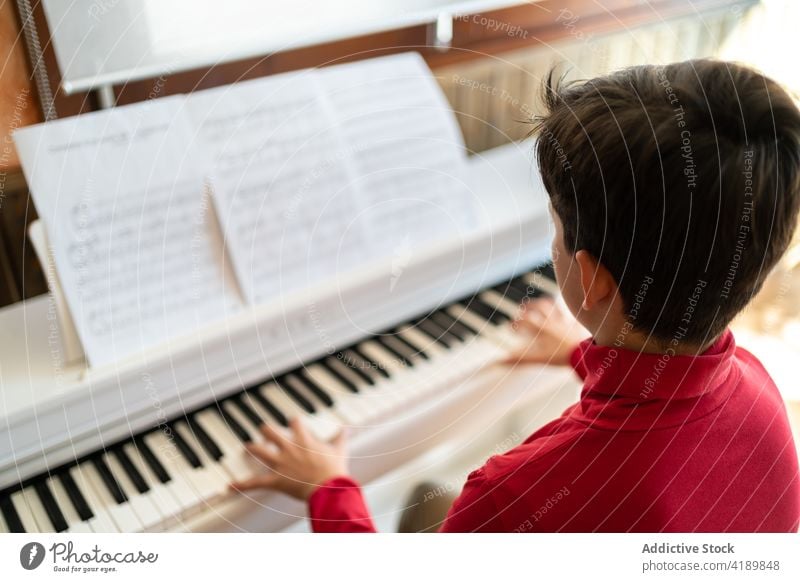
point(502, 335)
point(239, 417)
point(322, 424)
point(163, 496)
point(281, 400)
point(102, 522)
point(263, 413)
point(241, 459)
point(215, 477)
point(74, 521)
point(3, 526)
point(80, 527)
point(20, 502)
point(181, 483)
point(378, 398)
point(547, 285)
point(348, 405)
point(401, 386)
point(384, 358)
point(234, 454)
point(37, 510)
point(122, 514)
point(141, 503)
point(426, 343)
point(501, 303)
point(208, 482)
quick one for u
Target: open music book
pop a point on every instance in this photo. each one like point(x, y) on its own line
point(168, 215)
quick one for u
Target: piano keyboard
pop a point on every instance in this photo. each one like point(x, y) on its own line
point(156, 478)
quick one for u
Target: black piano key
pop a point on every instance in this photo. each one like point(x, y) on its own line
point(449, 326)
point(363, 365)
point(152, 461)
point(13, 522)
point(415, 349)
point(526, 289)
point(130, 470)
point(477, 307)
point(270, 407)
point(497, 315)
point(314, 388)
point(75, 496)
point(234, 425)
point(330, 367)
point(547, 271)
point(511, 292)
point(433, 332)
point(251, 415)
point(50, 506)
point(357, 363)
point(356, 366)
point(463, 327)
point(205, 440)
point(387, 345)
point(407, 352)
point(295, 395)
point(186, 449)
point(108, 479)
point(485, 310)
point(442, 330)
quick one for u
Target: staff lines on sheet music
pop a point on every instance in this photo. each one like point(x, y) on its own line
point(113, 293)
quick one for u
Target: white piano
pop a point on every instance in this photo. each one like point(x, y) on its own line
point(150, 444)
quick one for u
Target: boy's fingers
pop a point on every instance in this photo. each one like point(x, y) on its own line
point(340, 440)
point(260, 482)
point(530, 325)
point(262, 453)
point(525, 357)
point(274, 436)
point(300, 431)
point(542, 305)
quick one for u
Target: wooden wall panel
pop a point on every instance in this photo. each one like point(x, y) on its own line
point(18, 105)
point(20, 272)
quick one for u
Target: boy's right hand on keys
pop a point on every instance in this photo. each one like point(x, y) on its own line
point(551, 334)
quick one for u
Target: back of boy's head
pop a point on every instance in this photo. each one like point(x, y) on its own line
point(682, 180)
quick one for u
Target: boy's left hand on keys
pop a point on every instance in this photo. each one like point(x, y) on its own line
point(550, 333)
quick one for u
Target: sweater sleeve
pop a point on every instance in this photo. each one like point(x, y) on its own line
point(337, 506)
point(474, 510)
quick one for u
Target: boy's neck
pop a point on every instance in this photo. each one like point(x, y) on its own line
point(639, 342)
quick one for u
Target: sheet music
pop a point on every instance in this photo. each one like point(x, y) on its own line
point(122, 194)
point(408, 154)
point(319, 172)
point(282, 183)
point(160, 213)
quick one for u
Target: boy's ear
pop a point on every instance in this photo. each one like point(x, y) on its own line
point(597, 283)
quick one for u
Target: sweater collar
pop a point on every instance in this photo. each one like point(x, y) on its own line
point(625, 389)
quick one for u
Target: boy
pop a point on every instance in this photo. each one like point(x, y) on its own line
point(673, 191)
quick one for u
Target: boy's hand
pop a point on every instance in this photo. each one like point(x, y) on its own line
point(551, 334)
point(298, 462)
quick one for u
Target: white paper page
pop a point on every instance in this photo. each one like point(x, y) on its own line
point(65, 326)
point(407, 152)
point(122, 195)
point(281, 181)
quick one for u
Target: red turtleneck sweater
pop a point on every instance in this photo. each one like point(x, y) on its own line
point(655, 443)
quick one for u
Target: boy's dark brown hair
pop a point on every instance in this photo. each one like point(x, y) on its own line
point(682, 180)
